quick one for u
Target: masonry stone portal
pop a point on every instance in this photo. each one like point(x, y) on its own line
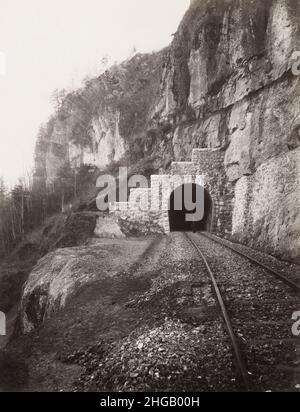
point(150, 206)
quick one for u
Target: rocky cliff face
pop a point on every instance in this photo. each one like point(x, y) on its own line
point(225, 82)
point(228, 84)
point(103, 121)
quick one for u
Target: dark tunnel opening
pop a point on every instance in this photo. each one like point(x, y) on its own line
point(178, 218)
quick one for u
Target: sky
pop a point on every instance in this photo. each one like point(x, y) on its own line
point(55, 44)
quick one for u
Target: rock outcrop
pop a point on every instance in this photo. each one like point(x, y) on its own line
point(53, 281)
point(63, 275)
point(101, 122)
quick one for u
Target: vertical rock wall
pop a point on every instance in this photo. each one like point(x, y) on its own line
point(231, 86)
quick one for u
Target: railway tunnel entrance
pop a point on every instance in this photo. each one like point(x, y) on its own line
point(190, 209)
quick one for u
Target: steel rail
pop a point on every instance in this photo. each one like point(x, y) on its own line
point(274, 272)
point(239, 359)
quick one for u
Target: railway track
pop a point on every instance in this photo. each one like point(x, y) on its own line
point(235, 248)
point(257, 303)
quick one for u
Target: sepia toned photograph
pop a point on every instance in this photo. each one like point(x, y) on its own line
point(149, 199)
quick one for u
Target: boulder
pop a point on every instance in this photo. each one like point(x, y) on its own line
point(55, 279)
point(108, 227)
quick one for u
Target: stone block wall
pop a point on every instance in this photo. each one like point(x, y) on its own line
point(267, 207)
point(150, 206)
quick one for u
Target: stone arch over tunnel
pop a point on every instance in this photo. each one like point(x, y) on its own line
point(190, 193)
